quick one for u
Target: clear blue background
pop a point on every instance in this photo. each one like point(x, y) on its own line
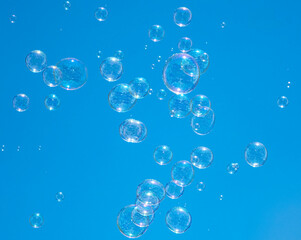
point(82, 154)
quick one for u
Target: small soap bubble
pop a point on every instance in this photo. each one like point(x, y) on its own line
point(52, 102)
point(203, 124)
point(59, 196)
point(282, 102)
point(119, 55)
point(202, 59)
point(101, 14)
point(153, 186)
point(200, 105)
point(173, 190)
point(288, 84)
point(121, 99)
point(145, 47)
point(179, 106)
point(221, 197)
point(36, 220)
point(153, 66)
point(51, 76)
point(182, 173)
point(21, 102)
point(159, 59)
point(111, 69)
point(39, 148)
point(156, 33)
point(200, 186)
point(67, 5)
point(232, 168)
point(171, 49)
point(13, 18)
point(139, 87)
point(185, 44)
point(132, 131)
point(2, 148)
point(256, 154)
point(36, 61)
point(182, 16)
point(150, 91)
point(99, 54)
point(201, 157)
point(161, 94)
point(163, 155)
point(178, 220)
point(18, 149)
point(223, 25)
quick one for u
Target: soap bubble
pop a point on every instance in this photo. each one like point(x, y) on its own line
point(21, 102)
point(223, 24)
point(202, 125)
point(202, 59)
point(126, 225)
point(163, 155)
point(179, 106)
point(73, 73)
point(185, 44)
point(51, 76)
point(178, 220)
point(147, 202)
point(141, 220)
point(132, 131)
point(111, 69)
point(232, 168)
point(13, 18)
point(120, 98)
point(67, 5)
point(182, 16)
point(156, 33)
point(36, 220)
point(282, 102)
point(52, 102)
point(150, 91)
point(101, 14)
point(119, 55)
point(99, 54)
point(182, 173)
point(173, 190)
point(200, 105)
point(181, 73)
point(59, 196)
point(201, 157)
point(200, 186)
point(139, 87)
point(36, 61)
point(161, 94)
point(152, 185)
point(256, 154)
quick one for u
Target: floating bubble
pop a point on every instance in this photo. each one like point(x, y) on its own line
point(182, 173)
point(101, 14)
point(185, 44)
point(256, 154)
point(221, 197)
point(161, 94)
point(200, 105)
point(200, 186)
point(13, 18)
point(163, 155)
point(147, 202)
point(119, 55)
point(202, 59)
point(52, 102)
point(73, 73)
point(132, 131)
point(201, 157)
point(153, 66)
point(202, 125)
point(36, 220)
point(181, 73)
point(141, 220)
point(111, 69)
point(36, 61)
point(139, 87)
point(173, 190)
point(156, 33)
point(21, 102)
point(120, 98)
point(223, 25)
point(51, 76)
point(150, 91)
point(178, 220)
point(67, 5)
point(232, 168)
point(159, 59)
point(282, 102)
point(182, 16)
point(39, 148)
point(2, 148)
point(99, 54)
point(18, 149)
point(151, 185)
point(179, 106)
point(59, 196)
point(126, 225)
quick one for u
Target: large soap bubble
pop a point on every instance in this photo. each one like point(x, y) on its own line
point(151, 185)
point(201, 157)
point(111, 69)
point(173, 190)
point(179, 106)
point(203, 124)
point(36, 61)
point(163, 155)
point(178, 220)
point(202, 58)
point(256, 154)
point(120, 98)
point(132, 131)
point(182, 173)
point(182, 16)
point(181, 73)
point(156, 33)
point(139, 87)
point(21, 102)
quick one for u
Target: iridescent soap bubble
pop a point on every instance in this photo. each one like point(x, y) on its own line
point(132, 131)
point(139, 87)
point(179, 106)
point(156, 33)
point(120, 98)
point(201, 157)
point(73, 73)
point(182, 16)
point(173, 190)
point(182, 173)
point(36, 61)
point(200, 105)
point(203, 124)
point(111, 69)
point(51, 76)
point(232, 168)
point(151, 185)
point(101, 14)
point(52, 102)
point(141, 220)
point(59, 196)
point(126, 225)
point(147, 201)
point(178, 220)
point(67, 5)
point(161, 94)
point(200, 186)
point(13, 18)
point(256, 154)
point(36, 220)
point(21, 102)
point(119, 55)
point(202, 59)
point(282, 102)
point(181, 73)
point(185, 44)
point(163, 155)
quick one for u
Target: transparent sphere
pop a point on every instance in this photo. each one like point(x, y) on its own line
point(185, 44)
point(36, 220)
point(232, 168)
point(111, 69)
point(126, 225)
point(151, 185)
point(202, 59)
point(182, 173)
point(52, 102)
point(99, 54)
point(73, 73)
point(147, 202)
point(179, 106)
point(59, 196)
point(201, 157)
point(21, 102)
point(200, 186)
point(36, 61)
point(101, 14)
point(139, 87)
point(67, 5)
point(163, 155)
point(119, 55)
point(161, 94)
point(182, 16)
point(132, 131)
point(120, 98)
point(282, 102)
point(173, 190)
point(203, 124)
point(181, 73)
point(13, 18)
point(51, 76)
point(150, 91)
point(141, 220)
point(156, 33)
point(178, 220)
point(256, 154)
point(200, 105)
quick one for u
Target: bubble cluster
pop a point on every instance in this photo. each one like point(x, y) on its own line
point(36, 61)
point(179, 106)
point(120, 98)
point(132, 131)
point(101, 14)
point(52, 76)
point(156, 33)
point(111, 69)
point(232, 168)
point(182, 173)
point(173, 190)
point(139, 87)
point(182, 16)
point(203, 124)
point(256, 154)
point(163, 155)
point(178, 220)
point(36, 220)
point(185, 44)
point(282, 102)
point(21, 102)
point(201, 157)
point(200, 105)
point(52, 102)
